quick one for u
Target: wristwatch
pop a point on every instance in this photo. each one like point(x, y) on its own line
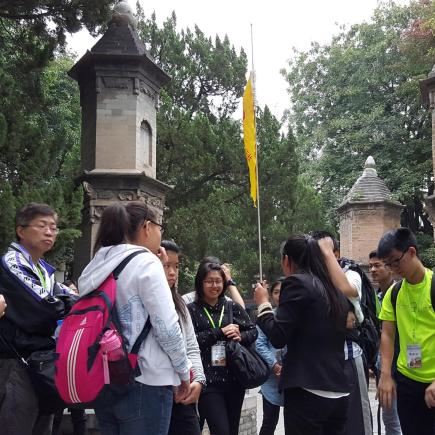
point(231, 282)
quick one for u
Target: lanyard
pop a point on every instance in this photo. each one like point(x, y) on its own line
point(220, 318)
point(415, 308)
point(40, 273)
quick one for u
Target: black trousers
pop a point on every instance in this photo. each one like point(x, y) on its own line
point(184, 420)
point(414, 415)
point(308, 414)
point(222, 410)
point(270, 417)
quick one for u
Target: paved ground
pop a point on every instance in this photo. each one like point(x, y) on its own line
point(280, 428)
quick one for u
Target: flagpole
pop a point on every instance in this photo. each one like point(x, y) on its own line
point(256, 163)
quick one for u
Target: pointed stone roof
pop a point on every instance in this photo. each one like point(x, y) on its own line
point(121, 36)
point(119, 44)
point(369, 187)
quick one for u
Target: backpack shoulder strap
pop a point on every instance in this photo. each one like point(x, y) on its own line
point(229, 305)
point(139, 340)
point(394, 293)
point(124, 262)
point(432, 291)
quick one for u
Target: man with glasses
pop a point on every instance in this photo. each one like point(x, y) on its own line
point(382, 275)
point(414, 316)
point(35, 302)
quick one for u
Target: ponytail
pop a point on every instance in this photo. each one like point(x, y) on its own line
point(305, 253)
point(121, 222)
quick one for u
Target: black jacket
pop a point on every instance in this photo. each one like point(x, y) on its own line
point(29, 321)
point(315, 343)
point(218, 378)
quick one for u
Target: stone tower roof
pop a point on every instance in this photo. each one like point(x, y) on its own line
point(369, 187)
point(121, 36)
point(120, 44)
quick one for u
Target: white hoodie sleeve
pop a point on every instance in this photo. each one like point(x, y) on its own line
point(156, 297)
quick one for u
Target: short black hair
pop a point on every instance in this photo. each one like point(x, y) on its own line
point(30, 211)
point(170, 245)
point(203, 269)
point(373, 254)
point(320, 234)
point(400, 238)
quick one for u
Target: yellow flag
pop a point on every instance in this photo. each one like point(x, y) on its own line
point(249, 137)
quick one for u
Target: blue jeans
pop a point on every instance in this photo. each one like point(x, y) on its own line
point(145, 410)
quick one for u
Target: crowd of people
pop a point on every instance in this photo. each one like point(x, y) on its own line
point(308, 330)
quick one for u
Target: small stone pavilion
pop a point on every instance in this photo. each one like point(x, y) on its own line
point(119, 94)
point(367, 212)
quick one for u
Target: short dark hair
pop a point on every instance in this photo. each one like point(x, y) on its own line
point(373, 254)
point(27, 213)
point(203, 269)
point(170, 245)
point(400, 238)
point(320, 234)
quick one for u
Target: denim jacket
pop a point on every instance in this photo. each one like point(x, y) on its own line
point(270, 388)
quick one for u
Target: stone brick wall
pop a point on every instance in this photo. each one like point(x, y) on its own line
point(361, 227)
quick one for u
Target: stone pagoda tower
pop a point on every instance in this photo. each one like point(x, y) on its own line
point(366, 213)
point(119, 94)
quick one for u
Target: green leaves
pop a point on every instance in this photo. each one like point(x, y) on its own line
point(359, 96)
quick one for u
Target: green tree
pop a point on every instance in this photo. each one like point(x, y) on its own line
point(359, 96)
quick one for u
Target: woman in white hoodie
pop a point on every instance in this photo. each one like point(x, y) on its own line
point(142, 292)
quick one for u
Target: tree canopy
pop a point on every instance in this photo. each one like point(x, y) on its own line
point(359, 96)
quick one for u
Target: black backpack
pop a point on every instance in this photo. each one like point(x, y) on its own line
point(369, 331)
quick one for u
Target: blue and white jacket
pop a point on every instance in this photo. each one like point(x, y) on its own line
point(34, 307)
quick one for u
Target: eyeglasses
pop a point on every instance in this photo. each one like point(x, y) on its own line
point(43, 227)
point(216, 282)
point(159, 225)
point(376, 265)
point(396, 262)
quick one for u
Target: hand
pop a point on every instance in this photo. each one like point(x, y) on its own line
point(161, 253)
point(277, 369)
point(226, 269)
point(232, 331)
point(351, 320)
point(182, 391)
point(3, 306)
point(261, 294)
point(429, 395)
point(326, 245)
point(386, 391)
point(195, 389)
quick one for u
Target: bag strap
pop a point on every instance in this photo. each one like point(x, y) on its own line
point(147, 327)
point(398, 285)
point(20, 358)
point(124, 262)
point(229, 305)
point(394, 293)
point(142, 336)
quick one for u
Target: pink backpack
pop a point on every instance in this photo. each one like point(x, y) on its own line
point(93, 365)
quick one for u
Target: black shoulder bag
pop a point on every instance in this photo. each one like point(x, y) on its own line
point(244, 363)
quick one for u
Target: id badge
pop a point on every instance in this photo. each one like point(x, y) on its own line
point(413, 356)
point(218, 355)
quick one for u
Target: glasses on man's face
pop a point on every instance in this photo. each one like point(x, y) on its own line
point(159, 225)
point(396, 262)
point(216, 282)
point(43, 227)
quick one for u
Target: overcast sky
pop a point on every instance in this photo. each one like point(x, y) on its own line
point(278, 26)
